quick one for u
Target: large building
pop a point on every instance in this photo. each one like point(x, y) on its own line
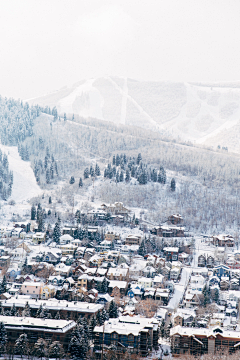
point(71, 310)
point(197, 341)
point(35, 328)
point(128, 333)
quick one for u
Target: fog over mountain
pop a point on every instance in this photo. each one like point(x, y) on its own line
point(205, 113)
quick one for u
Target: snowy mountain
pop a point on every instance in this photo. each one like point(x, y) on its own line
point(203, 113)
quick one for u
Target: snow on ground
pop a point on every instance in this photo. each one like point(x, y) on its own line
point(90, 98)
point(24, 183)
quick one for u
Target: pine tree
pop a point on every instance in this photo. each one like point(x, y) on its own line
point(127, 176)
point(44, 314)
point(3, 338)
point(121, 176)
point(26, 311)
point(113, 310)
point(39, 311)
point(64, 117)
point(50, 200)
point(33, 213)
point(162, 329)
point(72, 180)
point(13, 310)
point(1, 309)
point(80, 184)
point(41, 223)
point(40, 348)
point(114, 160)
point(104, 286)
point(57, 317)
point(86, 173)
point(139, 158)
point(97, 170)
point(99, 318)
point(117, 177)
point(142, 250)
point(21, 345)
point(56, 350)
point(105, 315)
point(56, 233)
point(74, 348)
point(117, 160)
point(173, 184)
point(3, 285)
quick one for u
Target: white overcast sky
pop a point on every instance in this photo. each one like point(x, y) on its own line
point(47, 44)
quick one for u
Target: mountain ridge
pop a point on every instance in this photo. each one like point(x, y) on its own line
point(197, 112)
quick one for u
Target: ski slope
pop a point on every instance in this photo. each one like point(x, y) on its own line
point(24, 183)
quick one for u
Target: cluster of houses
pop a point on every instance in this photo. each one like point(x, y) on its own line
point(80, 278)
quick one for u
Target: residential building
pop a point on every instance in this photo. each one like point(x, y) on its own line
point(35, 328)
point(32, 288)
point(198, 341)
point(39, 238)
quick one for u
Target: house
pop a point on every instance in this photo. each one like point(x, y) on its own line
point(65, 239)
point(116, 209)
point(62, 269)
point(48, 291)
point(118, 273)
point(110, 236)
point(32, 288)
point(68, 249)
point(68, 230)
point(56, 280)
point(104, 245)
point(171, 253)
point(175, 273)
point(197, 283)
point(149, 271)
point(118, 288)
point(4, 261)
point(201, 260)
point(53, 256)
point(133, 240)
point(224, 283)
point(175, 219)
point(169, 231)
point(104, 299)
point(144, 282)
point(157, 280)
point(210, 262)
point(184, 317)
point(223, 240)
point(13, 271)
point(136, 290)
point(221, 270)
point(39, 238)
point(162, 295)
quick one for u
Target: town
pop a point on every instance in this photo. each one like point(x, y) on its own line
point(135, 290)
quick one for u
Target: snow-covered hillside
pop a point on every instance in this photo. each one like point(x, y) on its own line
point(24, 182)
point(201, 113)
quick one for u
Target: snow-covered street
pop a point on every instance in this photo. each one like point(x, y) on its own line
point(179, 289)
